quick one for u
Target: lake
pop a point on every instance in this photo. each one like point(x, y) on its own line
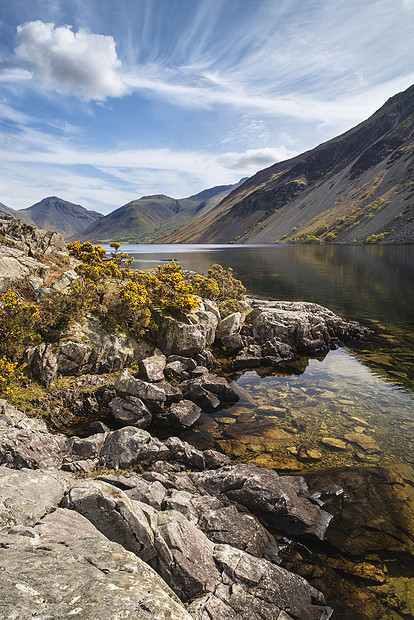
point(362, 394)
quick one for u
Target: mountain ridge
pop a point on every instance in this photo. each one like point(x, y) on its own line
point(54, 213)
point(365, 177)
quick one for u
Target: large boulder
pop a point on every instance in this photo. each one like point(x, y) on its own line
point(189, 335)
point(32, 240)
point(87, 347)
point(16, 267)
point(278, 501)
point(64, 567)
point(306, 327)
point(130, 411)
point(26, 442)
point(151, 394)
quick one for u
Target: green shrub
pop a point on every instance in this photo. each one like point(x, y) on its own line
point(18, 325)
point(11, 376)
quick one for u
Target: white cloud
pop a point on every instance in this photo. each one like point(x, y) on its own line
point(408, 5)
point(70, 62)
point(254, 159)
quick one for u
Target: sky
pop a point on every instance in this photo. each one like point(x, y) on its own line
point(105, 101)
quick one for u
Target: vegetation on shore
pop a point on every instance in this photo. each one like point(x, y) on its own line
point(110, 290)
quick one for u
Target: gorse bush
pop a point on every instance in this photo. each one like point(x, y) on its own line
point(11, 376)
point(109, 289)
point(18, 325)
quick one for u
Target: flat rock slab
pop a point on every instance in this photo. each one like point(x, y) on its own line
point(64, 568)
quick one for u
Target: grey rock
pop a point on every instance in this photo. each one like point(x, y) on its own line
point(65, 280)
point(152, 368)
point(189, 363)
point(176, 371)
point(86, 577)
point(130, 411)
point(41, 363)
point(219, 386)
point(30, 239)
point(189, 336)
point(130, 445)
point(278, 501)
point(185, 453)
point(180, 415)
point(26, 442)
point(254, 589)
point(306, 327)
point(232, 343)
point(152, 395)
point(207, 359)
point(173, 394)
point(86, 447)
point(231, 324)
point(26, 495)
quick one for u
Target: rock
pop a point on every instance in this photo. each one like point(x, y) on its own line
point(181, 415)
point(232, 343)
point(214, 460)
point(86, 577)
point(189, 336)
point(183, 452)
point(306, 327)
point(65, 280)
point(86, 447)
point(278, 501)
point(30, 239)
point(173, 393)
point(333, 442)
point(130, 411)
point(176, 371)
point(152, 368)
point(231, 324)
point(214, 384)
point(258, 590)
point(27, 495)
point(207, 359)
point(41, 363)
point(189, 363)
point(366, 442)
point(130, 445)
point(26, 442)
point(152, 395)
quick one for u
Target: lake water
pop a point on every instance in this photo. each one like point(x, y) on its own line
point(361, 394)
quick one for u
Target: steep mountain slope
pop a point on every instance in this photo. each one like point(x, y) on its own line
point(53, 213)
point(355, 186)
point(142, 220)
point(5, 210)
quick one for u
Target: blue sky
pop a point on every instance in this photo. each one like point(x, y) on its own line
point(102, 102)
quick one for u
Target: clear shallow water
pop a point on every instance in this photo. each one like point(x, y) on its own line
point(361, 395)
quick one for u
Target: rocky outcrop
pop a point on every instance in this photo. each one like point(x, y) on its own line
point(16, 267)
point(191, 334)
point(31, 240)
point(87, 347)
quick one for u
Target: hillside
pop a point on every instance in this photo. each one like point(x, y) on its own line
point(59, 215)
point(5, 210)
point(142, 220)
point(354, 186)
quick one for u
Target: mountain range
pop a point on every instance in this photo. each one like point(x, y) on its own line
point(142, 220)
point(357, 187)
point(59, 215)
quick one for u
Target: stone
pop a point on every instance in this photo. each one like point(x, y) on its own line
point(366, 442)
point(86, 447)
point(181, 415)
point(185, 453)
point(231, 324)
point(152, 368)
point(87, 576)
point(189, 336)
point(130, 445)
point(333, 442)
point(208, 382)
point(26, 495)
point(41, 363)
point(206, 359)
point(26, 442)
point(151, 394)
point(232, 343)
point(130, 411)
point(280, 501)
point(176, 371)
point(65, 280)
point(189, 363)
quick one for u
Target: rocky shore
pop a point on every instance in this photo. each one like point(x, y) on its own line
point(121, 524)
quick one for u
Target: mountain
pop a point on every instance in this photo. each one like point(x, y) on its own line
point(5, 210)
point(142, 220)
point(59, 215)
point(358, 186)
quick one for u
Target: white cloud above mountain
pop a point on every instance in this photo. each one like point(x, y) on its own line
point(69, 62)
